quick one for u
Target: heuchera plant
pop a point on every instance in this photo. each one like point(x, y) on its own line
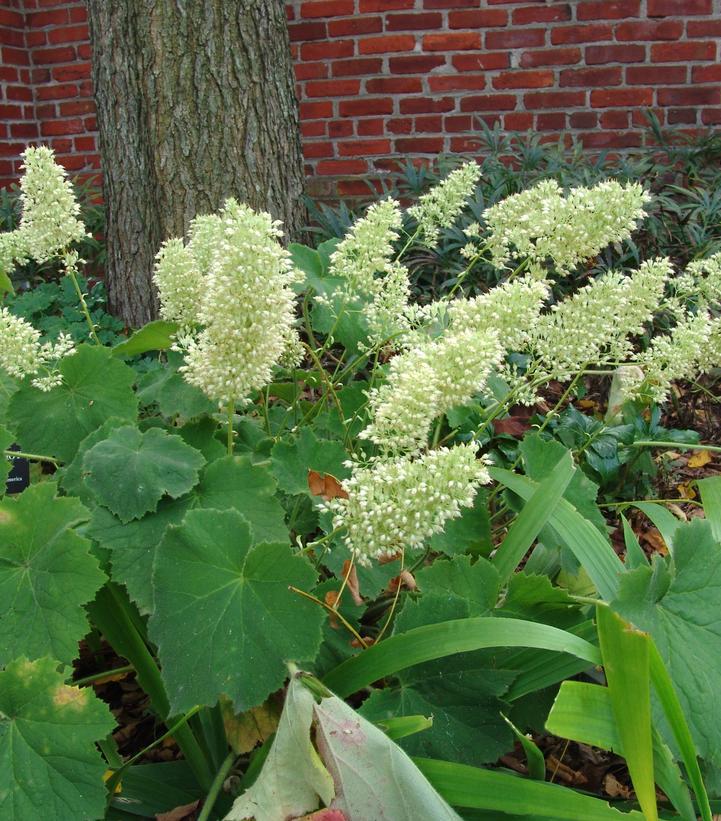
point(286, 477)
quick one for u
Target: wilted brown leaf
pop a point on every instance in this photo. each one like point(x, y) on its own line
point(655, 541)
point(325, 485)
point(245, 730)
point(352, 582)
point(614, 788)
point(404, 579)
point(184, 813)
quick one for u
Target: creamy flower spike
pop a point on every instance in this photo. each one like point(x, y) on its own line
point(399, 503)
point(246, 311)
point(49, 221)
point(594, 325)
point(179, 283)
point(444, 202)
point(426, 381)
point(541, 223)
point(701, 282)
point(21, 353)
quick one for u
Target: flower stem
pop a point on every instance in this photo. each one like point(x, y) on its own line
point(216, 787)
point(230, 412)
point(33, 457)
point(83, 304)
point(675, 445)
point(83, 682)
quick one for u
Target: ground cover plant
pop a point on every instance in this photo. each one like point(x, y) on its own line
point(299, 510)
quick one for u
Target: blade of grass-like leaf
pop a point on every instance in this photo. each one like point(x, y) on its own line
point(534, 516)
point(635, 557)
point(582, 712)
point(663, 686)
point(664, 520)
point(402, 726)
point(590, 548)
point(535, 762)
point(711, 497)
point(435, 641)
point(625, 660)
point(474, 788)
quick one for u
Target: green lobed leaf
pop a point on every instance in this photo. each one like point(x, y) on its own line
point(49, 764)
point(679, 604)
point(95, 387)
point(469, 533)
point(246, 623)
point(47, 574)
point(129, 472)
point(293, 459)
point(710, 488)
point(72, 476)
point(166, 387)
point(155, 336)
point(6, 439)
point(8, 386)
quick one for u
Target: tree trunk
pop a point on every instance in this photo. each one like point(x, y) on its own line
point(196, 103)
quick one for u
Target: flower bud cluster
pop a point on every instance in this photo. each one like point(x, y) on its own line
point(179, 281)
point(21, 353)
point(541, 224)
point(399, 503)
point(439, 207)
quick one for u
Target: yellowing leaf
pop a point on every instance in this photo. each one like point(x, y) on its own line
point(699, 459)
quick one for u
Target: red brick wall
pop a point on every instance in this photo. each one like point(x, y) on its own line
point(384, 79)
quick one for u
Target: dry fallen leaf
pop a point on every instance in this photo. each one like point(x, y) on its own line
point(187, 811)
point(352, 582)
point(325, 485)
point(699, 459)
point(405, 579)
point(686, 491)
point(614, 788)
point(655, 541)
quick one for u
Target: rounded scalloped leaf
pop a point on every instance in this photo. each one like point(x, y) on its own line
point(6, 439)
point(95, 387)
point(130, 472)
point(246, 623)
point(47, 574)
point(49, 765)
point(293, 459)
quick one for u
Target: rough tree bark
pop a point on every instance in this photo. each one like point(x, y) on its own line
point(196, 102)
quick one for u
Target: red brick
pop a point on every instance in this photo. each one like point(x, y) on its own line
point(371, 128)
point(361, 148)
point(62, 54)
point(413, 22)
point(340, 128)
point(10, 37)
point(21, 93)
point(393, 85)
point(420, 145)
point(671, 8)
point(69, 34)
point(614, 119)
point(430, 124)
point(471, 145)
point(385, 5)
point(58, 127)
point(563, 35)
point(385, 45)
point(426, 105)
point(449, 4)
point(649, 75)
point(700, 74)
point(515, 39)
point(332, 88)
point(415, 64)
point(316, 128)
point(75, 71)
point(711, 116)
point(355, 25)
point(327, 8)
point(488, 102)
point(78, 14)
point(357, 188)
point(10, 112)
point(24, 130)
point(523, 79)
point(85, 51)
point(583, 119)
point(457, 82)
point(551, 57)
point(307, 31)
point(681, 116)
point(680, 52)
point(12, 18)
point(481, 61)
point(648, 30)
point(349, 68)
point(551, 121)
point(368, 105)
point(703, 28)
point(458, 122)
point(607, 9)
point(554, 99)
point(465, 41)
point(480, 18)
point(65, 91)
point(75, 107)
point(541, 14)
point(400, 126)
point(611, 139)
point(35, 39)
point(315, 111)
point(15, 56)
point(315, 150)
point(311, 71)
point(585, 77)
point(618, 97)
point(56, 17)
point(596, 55)
point(690, 96)
point(327, 50)
point(518, 121)
point(327, 167)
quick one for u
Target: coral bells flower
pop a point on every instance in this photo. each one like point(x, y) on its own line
point(444, 202)
point(49, 221)
point(541, 224)
point(246, 310)
point(428, 380)
point(400, 503)
point(21, 353)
